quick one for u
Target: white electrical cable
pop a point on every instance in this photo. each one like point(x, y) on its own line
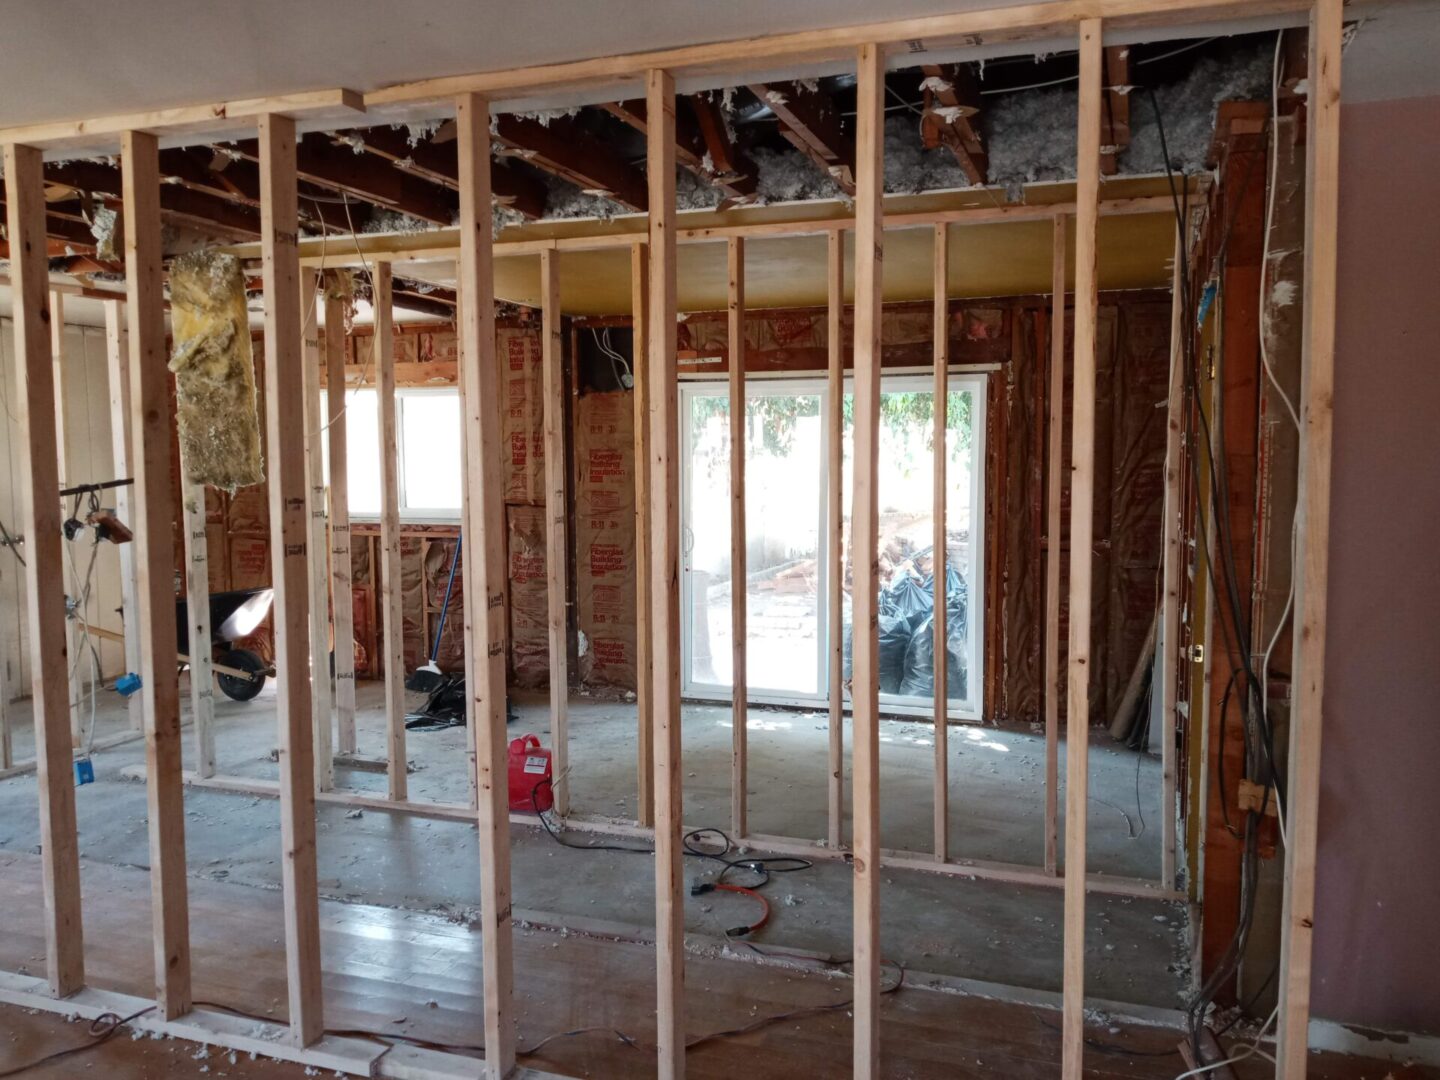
point(1269, 219)
point(89, 647)
point(1275, 382)
point(365, 370)
point(1251, 1049)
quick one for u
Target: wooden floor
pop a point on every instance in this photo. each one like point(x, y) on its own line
point(401, 973)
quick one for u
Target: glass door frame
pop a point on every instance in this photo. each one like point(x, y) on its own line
point(789, 386)
point(914, 379)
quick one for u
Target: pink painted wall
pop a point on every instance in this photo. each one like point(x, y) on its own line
point(1377, 925)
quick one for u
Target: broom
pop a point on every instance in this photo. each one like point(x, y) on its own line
point(427, 677)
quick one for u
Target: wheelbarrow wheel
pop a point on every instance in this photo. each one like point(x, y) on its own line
point(235, 688)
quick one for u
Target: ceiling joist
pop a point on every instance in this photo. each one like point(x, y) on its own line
point(952, 103)
point(810, 121)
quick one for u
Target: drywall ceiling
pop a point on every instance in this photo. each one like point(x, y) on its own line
point(73, 59)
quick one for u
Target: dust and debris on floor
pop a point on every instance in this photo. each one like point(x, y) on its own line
point(954, 926)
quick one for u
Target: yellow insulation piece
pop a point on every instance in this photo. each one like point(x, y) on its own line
point(214, 371)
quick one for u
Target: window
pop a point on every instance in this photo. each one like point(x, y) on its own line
point(786, 450)
point(428, 430)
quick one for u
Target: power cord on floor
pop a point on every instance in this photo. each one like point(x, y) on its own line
point(693, 843)
point(101, 1030)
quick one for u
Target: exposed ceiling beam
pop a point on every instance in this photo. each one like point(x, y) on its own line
point(690, 148)
point(362, 176)
point(431, 299)
point(1115, 117)
point(728, 164)
point(180, 205)
point(438, 163)
point(64, 232)
point(952, 101)
point(565, 149)
point(811, 122)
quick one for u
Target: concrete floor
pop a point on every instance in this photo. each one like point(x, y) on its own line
point(953, 926)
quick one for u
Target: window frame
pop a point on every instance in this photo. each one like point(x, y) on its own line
point(413, 515)
point(961, 378)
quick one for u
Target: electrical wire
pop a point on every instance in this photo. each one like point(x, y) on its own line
point(1251, 1049)
point(1289, 608)
point(609, 352)
point(365, 264)
point(7, 539)
point(693, 842)
point(1225, 587)
point(81, 600)
point(101, 1030)
point(1176, 52)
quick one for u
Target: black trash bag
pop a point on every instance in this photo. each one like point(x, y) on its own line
point(894, 641)
point(919, 677)
point(895, 637)
point(957, 602)
point(908, 599)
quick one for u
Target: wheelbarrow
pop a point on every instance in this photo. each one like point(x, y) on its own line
point(240, 673)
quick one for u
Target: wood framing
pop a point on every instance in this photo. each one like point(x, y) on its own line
point(865, 519)
point(1082, 524)
point(940, 331)
point(297, 529)
point(665, 578)
point(318, 537)
point(1172, 559)
point(217, 117)
point(155, 560)
point(556, 518)
point(444, 243)
point(118, 372)
point(197, 630)
point(391, 599)
point(1054, 535)
point(44, 581)
point(1312, 533)
point(485, 575)
point(341, 603)
point(289, 567)
point(644, 617)
point(78, 651)
point(1010, 23)
point(835, 533)
point(739, 573)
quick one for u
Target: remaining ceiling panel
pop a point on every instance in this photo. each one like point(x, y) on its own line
point(74, 59)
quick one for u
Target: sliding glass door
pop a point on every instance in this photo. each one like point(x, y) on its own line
point(786, 449)
point(784, 504)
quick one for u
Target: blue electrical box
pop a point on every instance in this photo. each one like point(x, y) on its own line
point(127, 684)
point(84, 772)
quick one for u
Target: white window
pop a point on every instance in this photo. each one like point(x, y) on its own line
point(428, 429)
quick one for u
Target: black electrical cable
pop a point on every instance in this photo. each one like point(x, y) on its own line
point(535, 802)
point(1225, 587)
point(762, 867)
point(101, 1030)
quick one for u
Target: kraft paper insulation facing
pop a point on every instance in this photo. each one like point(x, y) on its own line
point(1132, 375)
point(214, 371)
point(605, 537)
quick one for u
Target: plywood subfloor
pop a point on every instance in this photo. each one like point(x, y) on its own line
point(401, 973)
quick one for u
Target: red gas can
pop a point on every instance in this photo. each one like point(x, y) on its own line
point(530, 775)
